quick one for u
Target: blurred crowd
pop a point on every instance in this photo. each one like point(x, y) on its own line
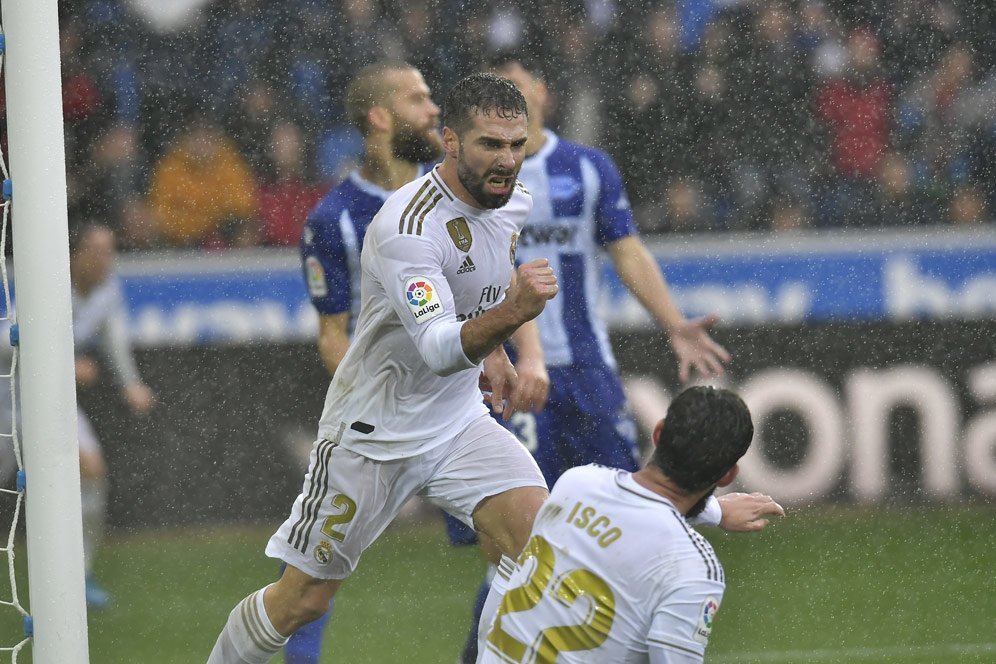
point(722, 114)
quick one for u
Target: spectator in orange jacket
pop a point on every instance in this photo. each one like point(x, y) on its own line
point(203, 192)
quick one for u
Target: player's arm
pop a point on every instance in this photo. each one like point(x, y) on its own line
point(616, 230)
point(333, 339)
point(327, 276)
point(117, 349)
point(690, 339)
point(533, 384)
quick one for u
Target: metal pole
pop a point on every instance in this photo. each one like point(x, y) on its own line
point(44, 316)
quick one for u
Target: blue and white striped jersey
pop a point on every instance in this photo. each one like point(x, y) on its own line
point(579, 206)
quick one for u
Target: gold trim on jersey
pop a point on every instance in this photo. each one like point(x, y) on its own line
point(419, 206)
point(439, 183)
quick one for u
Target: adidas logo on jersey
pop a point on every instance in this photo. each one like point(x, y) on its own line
point(466, 266)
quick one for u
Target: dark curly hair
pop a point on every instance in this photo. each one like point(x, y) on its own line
point(484, 93)
point(706, 431)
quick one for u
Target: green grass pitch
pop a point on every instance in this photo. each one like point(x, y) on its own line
point(824, 585)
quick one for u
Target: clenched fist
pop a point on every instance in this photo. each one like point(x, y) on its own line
point(533, 284)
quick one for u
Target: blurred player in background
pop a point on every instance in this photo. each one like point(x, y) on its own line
point(440, 295)
point(580, 209)
point(99, 329)
point(616, 574)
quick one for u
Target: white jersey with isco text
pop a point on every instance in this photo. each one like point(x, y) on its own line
point(429, 262)
point(611, 572)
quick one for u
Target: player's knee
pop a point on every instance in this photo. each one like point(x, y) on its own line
point(297, 599)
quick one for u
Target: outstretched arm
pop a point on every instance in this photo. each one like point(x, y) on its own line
point(746, 512)
point(690, 339)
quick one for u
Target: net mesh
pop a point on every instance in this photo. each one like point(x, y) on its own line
point(10, 443)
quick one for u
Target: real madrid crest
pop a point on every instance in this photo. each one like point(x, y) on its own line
point(511, 248)
point(460, 234)
point(323, 553)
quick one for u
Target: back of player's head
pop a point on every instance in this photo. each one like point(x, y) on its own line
point(486, 94)
point(371, 86)
point(705, 432)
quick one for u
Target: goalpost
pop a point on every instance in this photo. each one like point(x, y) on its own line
point(44, 327)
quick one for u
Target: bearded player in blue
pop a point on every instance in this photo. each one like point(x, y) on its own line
point(580, 209)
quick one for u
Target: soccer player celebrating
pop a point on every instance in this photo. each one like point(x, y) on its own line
point(612, 571)
point(390, 104)
point(403, 415)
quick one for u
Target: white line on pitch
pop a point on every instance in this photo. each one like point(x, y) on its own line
point(901, 652)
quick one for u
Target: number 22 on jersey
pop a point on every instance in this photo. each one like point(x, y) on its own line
point(541, 586)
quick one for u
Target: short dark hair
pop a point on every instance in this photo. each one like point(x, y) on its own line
point(706, 431)
point(482, 93)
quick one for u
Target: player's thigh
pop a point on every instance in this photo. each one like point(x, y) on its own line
point(345, 504)
point(484, 462)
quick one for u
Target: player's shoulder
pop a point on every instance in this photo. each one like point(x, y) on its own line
point(570, 150)
point(589, 475)
point(406, 212)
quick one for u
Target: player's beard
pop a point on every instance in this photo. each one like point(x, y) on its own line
point(474, 184)
point(415, 146)
point(699, 506)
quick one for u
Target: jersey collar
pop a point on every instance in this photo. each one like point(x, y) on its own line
point(626, 482)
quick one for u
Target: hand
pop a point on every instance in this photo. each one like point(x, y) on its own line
point(533, 285)
point(139, 398)
point(531, 388)
point(745, 512)
point(696, 349)
point(86, 370)
point(499, 378)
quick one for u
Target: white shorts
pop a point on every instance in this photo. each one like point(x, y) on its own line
point(348, 499)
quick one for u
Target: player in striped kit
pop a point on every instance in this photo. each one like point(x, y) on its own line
point(612, 571)
point(404, 414)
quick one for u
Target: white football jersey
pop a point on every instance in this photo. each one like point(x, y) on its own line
point(429, 262)
point(611, 570)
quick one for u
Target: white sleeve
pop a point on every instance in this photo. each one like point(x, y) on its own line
point(711, 515)
point(682, 622)
point(410, 270)
point(661, 655)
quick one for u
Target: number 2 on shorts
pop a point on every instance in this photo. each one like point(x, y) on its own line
point(567, 589)
point(348, 507)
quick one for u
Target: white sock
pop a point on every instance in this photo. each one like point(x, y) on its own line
point(499, 584)
point(93, 496)
point(249, 637)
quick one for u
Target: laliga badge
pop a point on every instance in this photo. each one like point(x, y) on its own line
point(317, 286)
point(512, 247)
point(422, 299)
point(707, 616)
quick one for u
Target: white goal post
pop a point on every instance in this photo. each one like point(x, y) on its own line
point(44, 317)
